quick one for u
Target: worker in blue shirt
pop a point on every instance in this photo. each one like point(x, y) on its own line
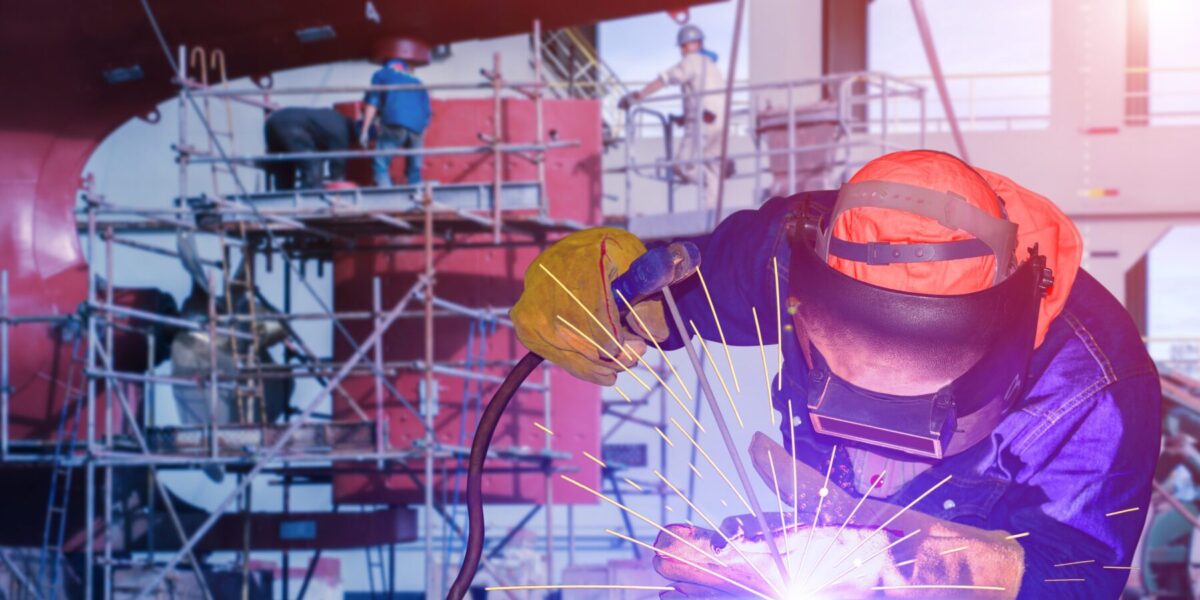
point(403, 116)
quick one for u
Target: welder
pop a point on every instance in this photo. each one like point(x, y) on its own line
point(939, 334)
point(304, 129)
point(702, 84)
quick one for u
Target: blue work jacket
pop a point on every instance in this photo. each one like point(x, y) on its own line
point(404, 108)
point(1081, 443)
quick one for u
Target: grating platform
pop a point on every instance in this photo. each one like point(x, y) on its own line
point(311, 438)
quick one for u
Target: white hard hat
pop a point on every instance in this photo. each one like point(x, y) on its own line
point(689, 33)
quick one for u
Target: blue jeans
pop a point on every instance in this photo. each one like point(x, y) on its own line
point(392, 136)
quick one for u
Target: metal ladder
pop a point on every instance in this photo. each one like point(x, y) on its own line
point(54, 529)
point(575, 61)
point(245, 353)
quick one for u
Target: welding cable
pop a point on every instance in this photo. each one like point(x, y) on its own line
point(479, 449)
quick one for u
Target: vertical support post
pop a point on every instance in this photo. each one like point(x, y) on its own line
point(740, 12)
point(147, 422)
point(90, 468)
point(629, 139)
point(935, 66)
point(883, 115)
point(540, 134)
point(791, 139)
point(921, 101)
point(286, 558)
point(571, 534)
point(213, 395)
point(430, 398)
point(4, 391)
point(108, 411)
point(377, 311)
point(497, 156)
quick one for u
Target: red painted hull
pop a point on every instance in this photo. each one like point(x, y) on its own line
point(480, 277)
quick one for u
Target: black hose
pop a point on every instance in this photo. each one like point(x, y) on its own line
point(479, 449)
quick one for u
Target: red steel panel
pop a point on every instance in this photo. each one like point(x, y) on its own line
point(480, 277)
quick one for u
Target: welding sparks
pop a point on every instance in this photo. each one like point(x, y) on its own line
point(518, 588)
point(720, 377)
point(543, 428)
point(1118, 568)
point(696, 471)
point(1065, 580)
point(686, 562)
point(821, 495)
point(712, 462)
point(766, 376)
point(778, 325)
point(650, 337)
point(623, 394)
point(833, 542)
point(1078, 562)
point(778, 500)
point(934, 586)
point(859, 563)
point(675, 397)
point(953, 550)
point(634, 484)
point(586, 310)
point(1017, 536)
point(894, 517)
point(589, 456)
point(1121, 512)
point(643, 518)
point(605, 351)
point(664, 437)
point(720, 330)
point(716, 528)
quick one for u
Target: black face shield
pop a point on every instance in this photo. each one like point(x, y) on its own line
point(927, 375)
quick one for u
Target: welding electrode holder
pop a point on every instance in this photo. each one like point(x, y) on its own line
point(653, 271)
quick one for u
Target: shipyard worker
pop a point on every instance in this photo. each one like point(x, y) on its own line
point(403, 116)
point(702, 85)
point(301, 129)
point(946, 361)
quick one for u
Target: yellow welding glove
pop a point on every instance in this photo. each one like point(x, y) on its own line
point(568, 314)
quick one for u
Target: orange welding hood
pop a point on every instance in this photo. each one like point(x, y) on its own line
point(1038, 222)
point(919, 299)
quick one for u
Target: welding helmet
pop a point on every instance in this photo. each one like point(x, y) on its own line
point(688, 34)
point(916, 373)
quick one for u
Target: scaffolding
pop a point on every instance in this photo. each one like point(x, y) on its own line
point(277, 225)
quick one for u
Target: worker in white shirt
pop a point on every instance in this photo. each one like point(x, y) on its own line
point(702, 84)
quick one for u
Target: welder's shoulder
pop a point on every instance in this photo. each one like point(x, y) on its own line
point(1092, 347)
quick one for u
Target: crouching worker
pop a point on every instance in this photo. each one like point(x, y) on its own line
point(301, 129)
point(946, 362)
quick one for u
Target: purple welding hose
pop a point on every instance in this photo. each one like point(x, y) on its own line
point(479, 449)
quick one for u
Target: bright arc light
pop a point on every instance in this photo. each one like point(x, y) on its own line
point(804, 593)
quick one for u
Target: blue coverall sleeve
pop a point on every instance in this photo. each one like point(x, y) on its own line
point(1097, 458)
point(736, 264)
point(375, 98)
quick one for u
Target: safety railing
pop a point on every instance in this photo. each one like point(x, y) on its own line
point(1167, 96)
point(984, 101)
point(804, 134)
